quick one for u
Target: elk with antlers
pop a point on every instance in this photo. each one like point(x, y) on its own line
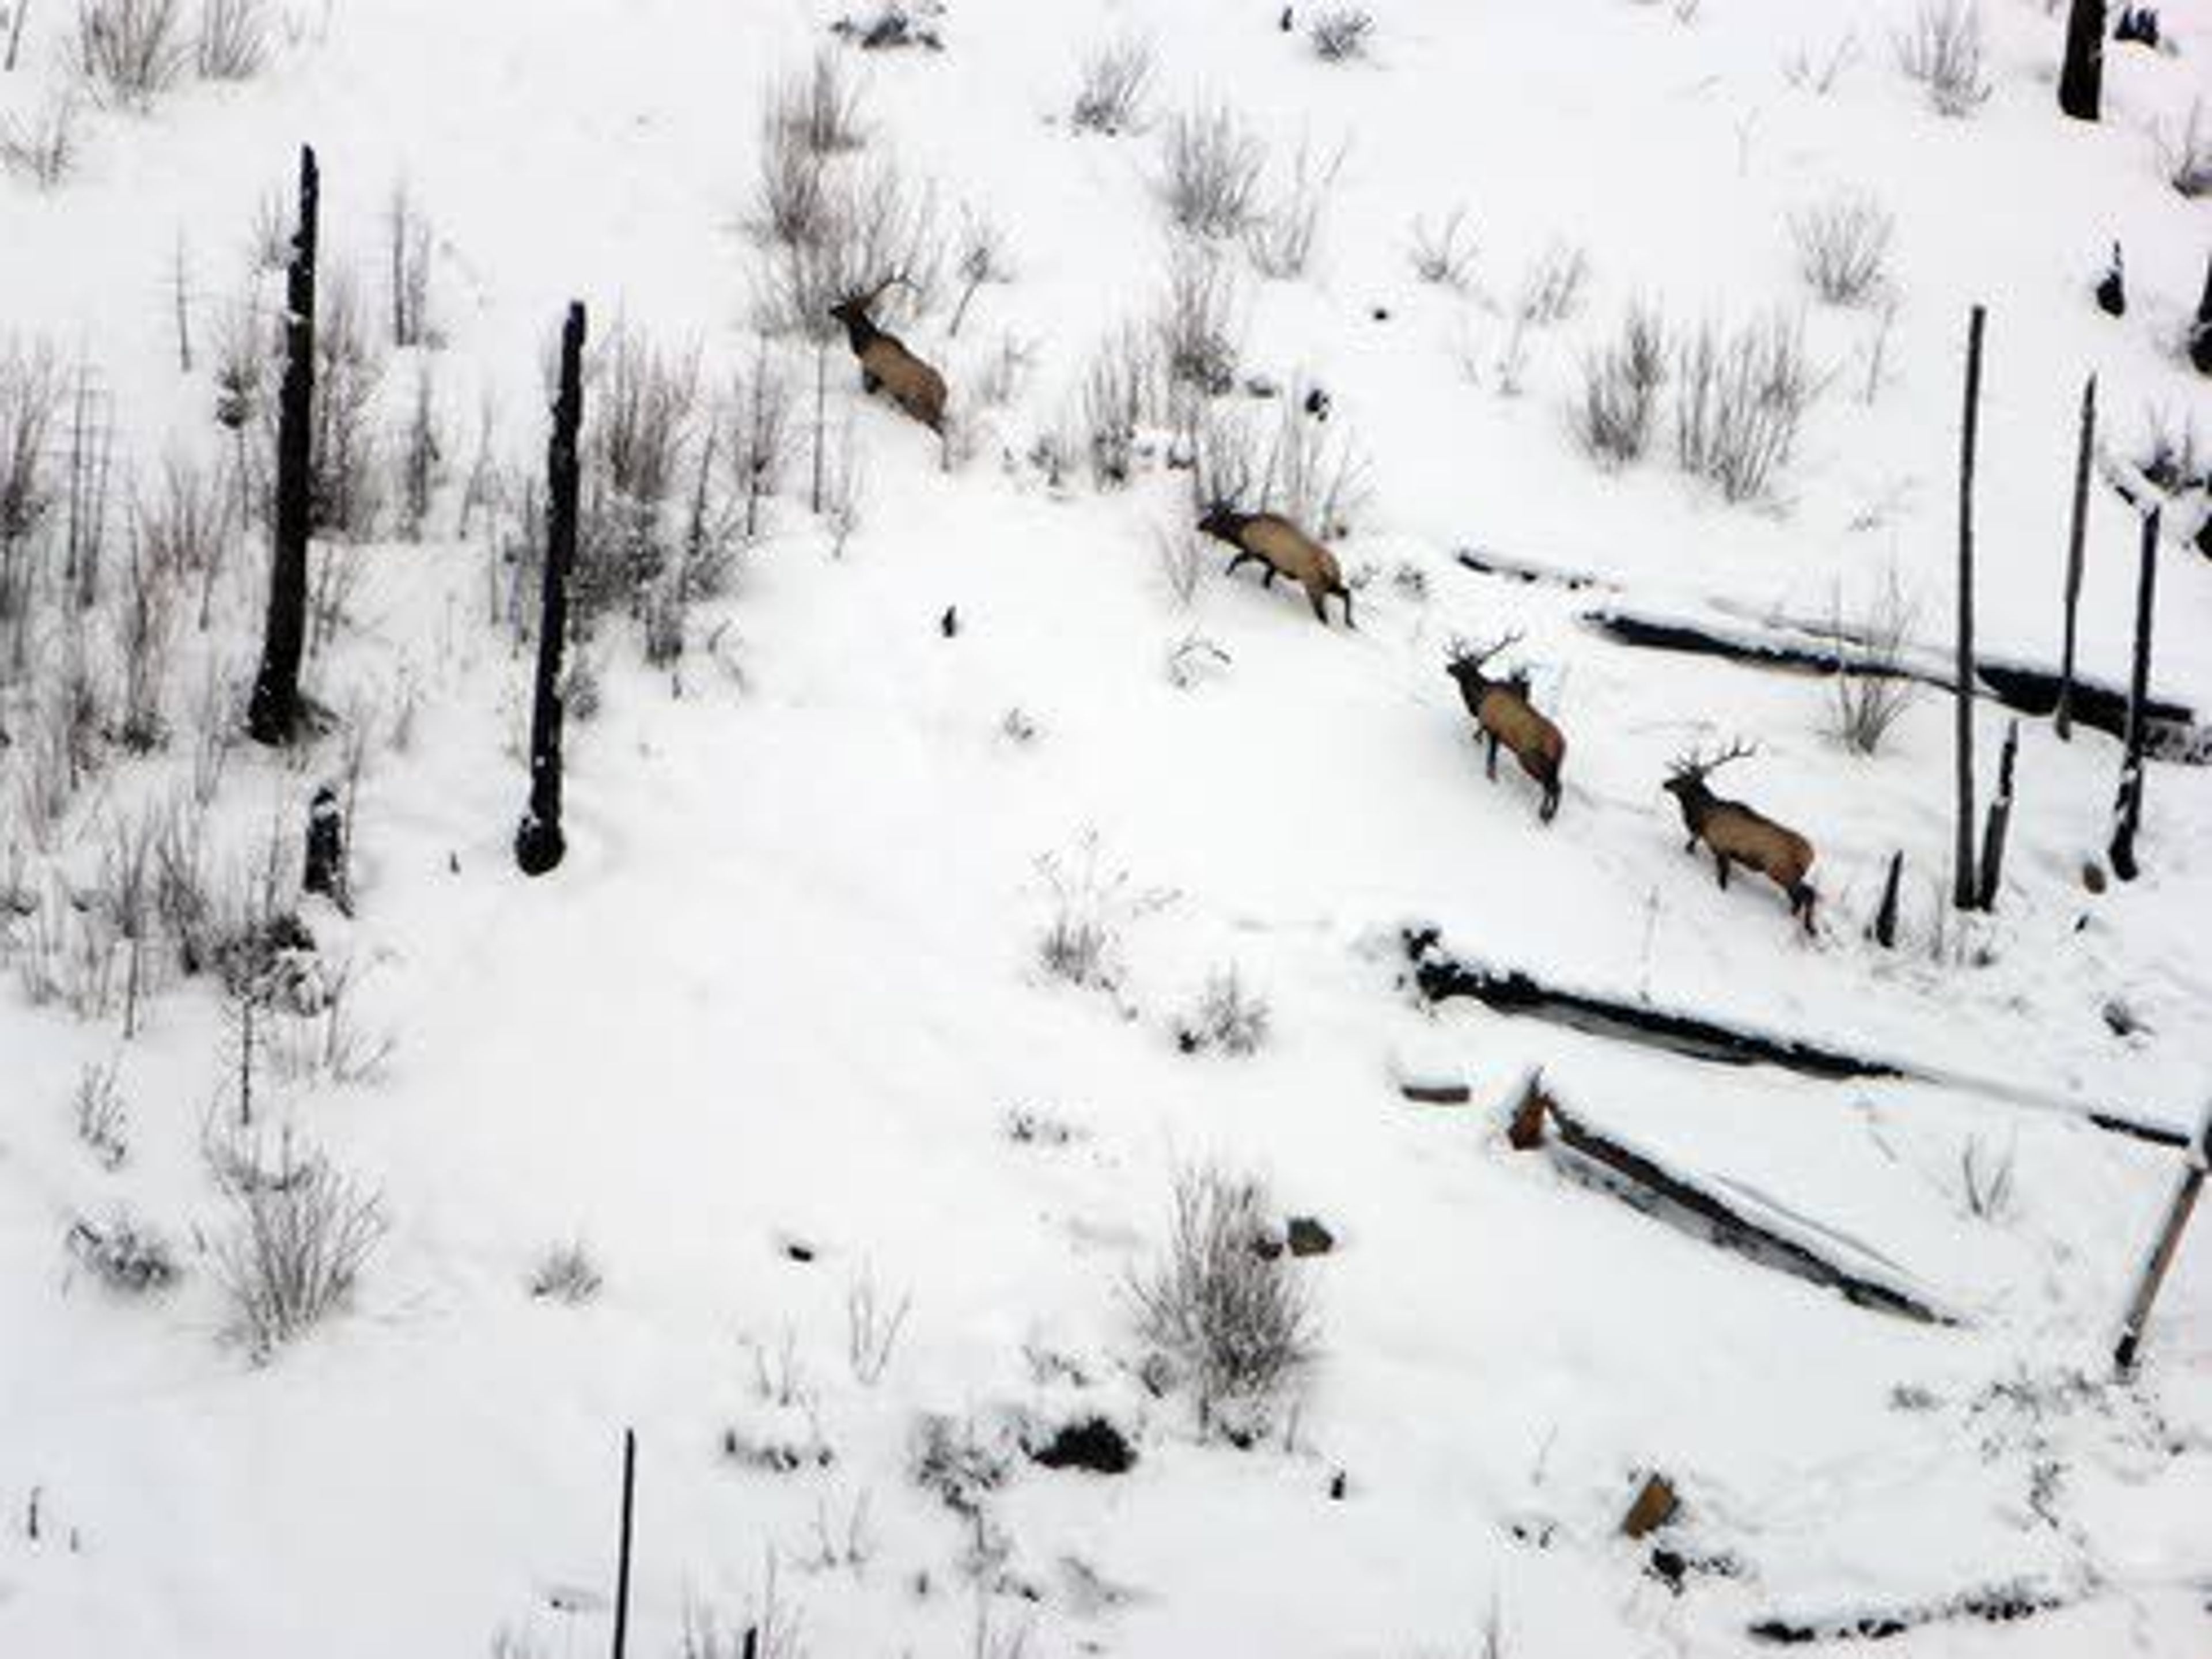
point(1505, 715)
point(886, 363)
point(1737, 835)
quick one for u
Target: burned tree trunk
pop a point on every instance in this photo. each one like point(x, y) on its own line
point(622, 1559)
point(2076, 537)
point(2127, 813)
point(2000, 820)
point(1965, 892)
point(538, 843)
point(2164, 1250)
point(274, 714)
point(1885, 919)
point(326, 871)
point(2081, 79)
point(2200, 338)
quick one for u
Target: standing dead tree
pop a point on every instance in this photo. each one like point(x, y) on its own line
point(2163, 1251)
point(2077, 534)
point(538, 843)
point(2127, 813)
point(2000, 820)
point(2081, 78)
point(1965, 893)
point(274, 714)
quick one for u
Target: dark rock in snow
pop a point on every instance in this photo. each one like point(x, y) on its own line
point(949, 623)
point(1307, 1237)
point(1654, 1506)
point(1094, 1444)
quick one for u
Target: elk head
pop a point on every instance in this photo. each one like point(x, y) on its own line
point(1465, 661)
point(1687, 774)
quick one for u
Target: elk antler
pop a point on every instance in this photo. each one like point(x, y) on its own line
point(1692, 765)
point(1465, 651)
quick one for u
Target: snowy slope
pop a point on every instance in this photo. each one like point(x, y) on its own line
point(785, 988)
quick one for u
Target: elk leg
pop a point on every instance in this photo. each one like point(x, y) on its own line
point(1691, 845)
point(1345, 595)
point(1268, 582)
point(1721, 859)
point(1802, 897)
point(1490, 767)
point(1321, 613)
point(1551, 805)
point(871, 381)
point(1238, 560)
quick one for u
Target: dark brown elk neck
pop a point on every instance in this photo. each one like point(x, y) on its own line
point(861, 332)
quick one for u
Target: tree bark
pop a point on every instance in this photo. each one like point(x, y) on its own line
point(2081, 78)
point(2200, 339)
point(538, 843)
point(2127, 815)
point(325, 869)
point(2164, 1250)
point(2076, 537)
point(622, 1565)
point(1965, 893)
point(1885, 919)
point(273, 716)
point(2000, 821)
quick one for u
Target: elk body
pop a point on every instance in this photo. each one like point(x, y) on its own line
point(1735, 834)
point(1505, 716)
point(1272, 541)
point(886, 363)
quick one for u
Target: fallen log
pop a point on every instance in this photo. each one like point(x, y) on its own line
point(1440, 976)
point(2171, 730)
point(1675, 1196)
point(1997, 1604)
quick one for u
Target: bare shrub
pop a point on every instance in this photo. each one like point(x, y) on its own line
point(301, 1233)
point(1312, 473)
point(31, 390)
point(344, 483)
point(1194, 326)
point(1445, 255)
point(1841, 246)
point(1985, 1179)
point(1228, 1017)
point(144, 628)
point(1819, 73)
point(44, 149)
point(791, 196)
point(1091, 909)
point(646, 408)
point(981, 257)
point(102, 1115)
point(1111, 88)
point(1229, 1315)
point(1552, 289)
point(1120, 395)
point(234, 39)
point(822, 108)
point(420, 462)
point(1280, 241)
point(565, 1272)
point(2184, 153)
point(873, 1325)
point(407, 242)
point(867, 229)
point(1739, 398)
point(124, 1252)
point(1868, 701)
point(1942, 50)
point(761, 434)
point(1210, 172)
point(1621, 389)
point(1340, 33)
point(1182, 562)
point(892, 25)
point(129, 52)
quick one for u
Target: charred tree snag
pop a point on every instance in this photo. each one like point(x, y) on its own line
point(2164, 1250)
point(2077, 534)
point(1965, 892)
point(538, 843)
point(2129, 816)
point(2081, 76)
point(274, 715)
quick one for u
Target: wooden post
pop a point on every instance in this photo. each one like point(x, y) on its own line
point(622, 1562)
point(1965, 892)
point(1885, 919)
point(2164, 1250)
point(2000, 820)
point(2200, 338)
point(538, 843)
point(2075, 540)
point(2128, 812)
point(2081, 76)
point(273, 716)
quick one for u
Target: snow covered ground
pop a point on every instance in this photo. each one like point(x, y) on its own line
point(784, 998)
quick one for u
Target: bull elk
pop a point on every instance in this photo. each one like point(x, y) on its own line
point(1272, 540)
point(1505, 716)
point(1737, 835)
point(886, 363)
